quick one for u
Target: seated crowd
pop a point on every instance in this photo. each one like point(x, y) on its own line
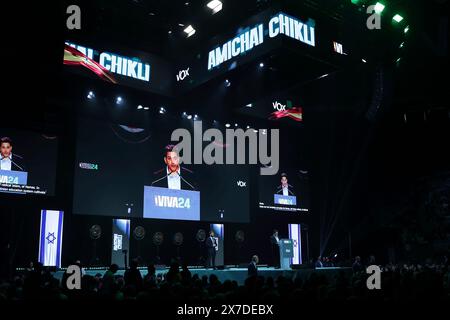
point(398, 282)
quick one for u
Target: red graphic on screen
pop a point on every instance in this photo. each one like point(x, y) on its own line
point(74, 57)
point(295, 113)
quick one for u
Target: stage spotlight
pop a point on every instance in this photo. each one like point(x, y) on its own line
point(91, 95)
point(215, 6)
point(248, 127)
point(189, 30)
point(379, 7)
point(406, 29)
point(169, 32)
point(249, 105)
point(227, 125)
point(118, 100)
point(139, 107)
point(162, 110)
point(227, 83)
point(189, 117)
point(184, 114)
point(195, 116)
point(402, 45)
point(397, 18)
point(264, 131)
point(261, 64)
point(363, 60)
point(146, 108)
point(235, 124)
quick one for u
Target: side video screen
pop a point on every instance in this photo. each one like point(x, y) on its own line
point(287, 191)
point(27, 162)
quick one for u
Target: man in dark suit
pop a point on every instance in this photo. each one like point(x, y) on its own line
point(285, 188)
point(357, 265)
point(253, 267)
point(8, 161)
point(173, 176)
point(275, 246)
point(212, 247)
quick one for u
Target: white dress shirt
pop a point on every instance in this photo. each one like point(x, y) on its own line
point(6, 163)
point(214, 242)
point(285, 191)
point(174, 180)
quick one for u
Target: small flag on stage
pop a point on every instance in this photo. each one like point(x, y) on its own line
point(50, 238)
point(295, 234)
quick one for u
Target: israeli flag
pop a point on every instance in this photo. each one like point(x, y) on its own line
point(295, 234)
point(50, 239)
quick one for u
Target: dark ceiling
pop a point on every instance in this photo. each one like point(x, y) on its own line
point(148, 25)
point(34, 39)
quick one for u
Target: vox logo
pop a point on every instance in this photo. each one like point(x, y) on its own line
point(182, 74)
point(242, 184)
point(278, 106)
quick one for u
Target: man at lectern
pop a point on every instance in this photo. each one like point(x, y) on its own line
point(212, 246)
point(7, 161)
point(173, 176)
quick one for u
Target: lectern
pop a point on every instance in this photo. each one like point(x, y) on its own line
point(286, 253)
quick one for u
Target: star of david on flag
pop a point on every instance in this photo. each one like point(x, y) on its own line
point(50, 239)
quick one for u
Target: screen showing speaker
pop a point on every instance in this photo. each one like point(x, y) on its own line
point(27, 162)
point(134, 171)
point(287, 191)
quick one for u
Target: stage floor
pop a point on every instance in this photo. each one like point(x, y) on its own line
point(234, 274)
